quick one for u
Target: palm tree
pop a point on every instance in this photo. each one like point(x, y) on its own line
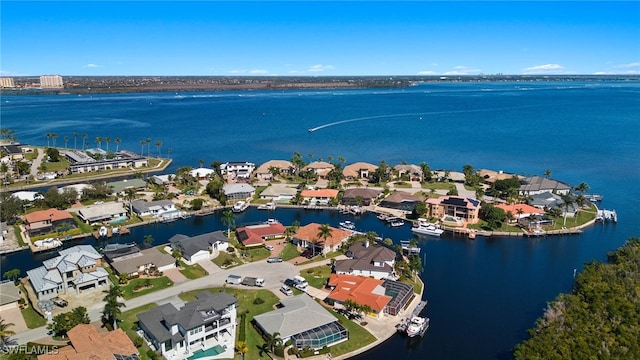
point(148, 141)
point(582, 188)
point(229, 220)
point(169, 151)
point(54, 136)
point(274, 340)
point(130, 195)
point(176, 252)
point(148, 240)
point(242, 348)
point(99, 142)
point(5, 333)
point(75, 141)
point(567, 202)
point(107, 140)
point(112, 306)
point(84, 139)
point(66, 140)
point(142, 142)
point(324, 232)
point(547, 173)
point(117, 141)
point(158, 144)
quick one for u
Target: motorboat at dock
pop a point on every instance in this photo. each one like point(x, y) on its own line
point(240, 206)
point(426, 228)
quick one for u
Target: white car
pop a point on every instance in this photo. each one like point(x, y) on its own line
point(268, 247)
point(286, 290)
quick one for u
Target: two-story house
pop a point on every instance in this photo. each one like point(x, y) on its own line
point(374, 261)
point(47, 221)
point(76, 268)
point(241, 170)
point(205, 327)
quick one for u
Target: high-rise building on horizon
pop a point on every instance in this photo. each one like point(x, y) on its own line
point(7, 82)
point(51, 82)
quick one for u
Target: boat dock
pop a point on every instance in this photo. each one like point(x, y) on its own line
point(122, 230)
point(607, 216)
point(402, 326)
point(411, 250)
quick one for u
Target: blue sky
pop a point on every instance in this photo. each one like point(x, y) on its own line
point(318, 38)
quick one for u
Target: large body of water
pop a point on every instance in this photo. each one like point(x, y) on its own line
point(483, 294)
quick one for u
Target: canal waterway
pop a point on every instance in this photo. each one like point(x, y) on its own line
point(484, 294)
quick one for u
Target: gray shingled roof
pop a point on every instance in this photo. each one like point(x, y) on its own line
point(191, 245)
point(298, 314)
point(8, 293)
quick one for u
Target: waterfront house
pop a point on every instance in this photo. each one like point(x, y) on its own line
point(256, 235)
point(538, 185)
point(12, 151)
point(81, 162)
point(76, 268)
point(374, 261)
point(165, 179)
point(202, 173)
point(307, 236)
point(318, 196)
point(409, 172)
point(156, 208)
point(142, 261)
point(9, 296)
point(200, 247)
point(360, 289)
point(120, 187)
point(284, 167)
point(519, 211)
point(320, 168)
point(401, 200)
point(359, 196)
point(548, 200)
point(452, 209)
point(240, 170)
point(87, 343)
point(491, 176)
point(78, 188)
point(48, 221)
point(28, 196)
point(111, 211)
point(205, 327)
point(239, 191)
point(280, 193)
point(304, 322)
point(359, 170)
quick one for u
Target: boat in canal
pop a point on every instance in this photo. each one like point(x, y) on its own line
point(424, 227)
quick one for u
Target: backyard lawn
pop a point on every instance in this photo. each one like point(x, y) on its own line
point(129, 291)
point(192, 271)
point(128, 324)
point(317, 276)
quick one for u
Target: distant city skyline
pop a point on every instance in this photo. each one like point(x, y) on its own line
point(291, 38)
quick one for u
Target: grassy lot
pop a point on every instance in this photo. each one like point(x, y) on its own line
point(31, 317)
point(438, 185)
point(129, 325)
point(16, 230)
point(192, 271)
point(358, 336)
point(289, 252)
point(61, 165)
point(246, 305)
point(402, 185)
point(228, 259)
point(417, 286)
point(317, 276)
point(156, 284)
point(255, 254)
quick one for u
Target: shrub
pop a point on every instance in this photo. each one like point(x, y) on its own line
point(137, 341)
point(258, 301)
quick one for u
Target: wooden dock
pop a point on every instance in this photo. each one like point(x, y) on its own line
point(402, 327)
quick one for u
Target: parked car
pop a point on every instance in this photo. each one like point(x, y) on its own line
point(268, 247)
point(286, 290)
point(274, 260)
point(59, 302)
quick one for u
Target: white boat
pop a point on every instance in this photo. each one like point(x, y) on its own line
point(240, 206)
point(272, 221)
point(267, 206)
point(103, 231)
point(417, 326)
point(426, 228)
point(48, 243)
point(394, 221)
point(348, 225)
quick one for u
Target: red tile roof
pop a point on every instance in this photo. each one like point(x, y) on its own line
point(526, 209)
point(310, 232)
point(359, 289)
point(256, 234)
point(45, 215)
point(88, 344)
point(324, 193)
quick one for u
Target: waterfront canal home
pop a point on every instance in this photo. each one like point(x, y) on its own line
point(266, 170)
point(401, 200)
point(239, 191)
point(27, 196)
point(320, 168)
point(538, 185)
point(304, 322)
point(256, 235)
point(318, 196)
point(164, 179)
point(454, 209)
point(202, 173)
point(491, 176)
point(120, 187)
point(307, 236)
point(374, 261)
point(78, 188)
point(9, 296)
point(12, 151)
point(107, 212)
point(409, 172)
point(87, 343)
point(202, 328)
point(279, 193)
point(238, 170)
point(357, 171)
point(200, 247)
point(75, 270)
point(362, 290)
point(548, 200)
point(359, 196)
point(143, 262)
point(47, 221)
point(156, 208)
point(81, 162)
point(519, 211)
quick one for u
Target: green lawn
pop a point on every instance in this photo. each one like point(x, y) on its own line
point(358, 336)
point(255, 254)
point(289, 252)
point(156, 284)
point(129, 325)
point(317, 276)
point(438, 185)
point(192, 271)
point(246, 305)
point(226, 258)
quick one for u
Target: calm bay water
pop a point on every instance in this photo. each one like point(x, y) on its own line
point(482, 294)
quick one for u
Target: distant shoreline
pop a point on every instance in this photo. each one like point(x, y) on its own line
point(26, 85)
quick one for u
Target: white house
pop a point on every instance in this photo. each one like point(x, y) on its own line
point(200, 247)
point(240, 170)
